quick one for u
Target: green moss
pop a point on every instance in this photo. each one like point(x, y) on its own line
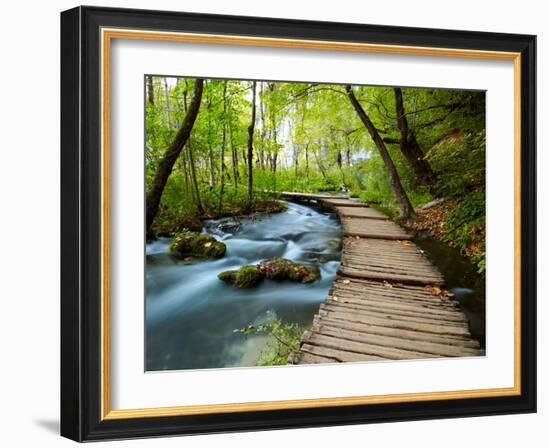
point(276, 268)
point(313, 276)
point(248, 276)
point(181, 243)
point(282, 269)
point(228, 276)
point(304, 274)
point(191, 243)
point(208, 246)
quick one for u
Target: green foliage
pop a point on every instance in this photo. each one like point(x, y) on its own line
point(465, 226)
point(284, 339)
point(309, 138)
point(460, 161)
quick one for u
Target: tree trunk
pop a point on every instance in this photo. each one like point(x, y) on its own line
point(319, 164)
point(168, 109)
point(405, 208)
point(250, 145)
point(409, 145)
point(170, 156)
point(307, 160)
point(150, 90)
point(262, 134)
point(185, 176)
point(194, 183)
point(184, 157)
point(234, 157)
point(295, 160)
point(222, 150)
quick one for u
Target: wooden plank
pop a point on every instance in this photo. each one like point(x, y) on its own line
point(373, 228)
point(310, 196)
point(392, 267)
point(361, 273)
point(397, 332)
point(370, 307)
point(433, 327)
point(360, 212)
point(338, 355)
point(399, 289)
point(308, 358)
point(392, 315)
point(361, 296)
point(336, 202)
point(366, 303)
point(399, 343)
point(336, 343)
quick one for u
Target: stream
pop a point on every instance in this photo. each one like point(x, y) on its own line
point(191, 315)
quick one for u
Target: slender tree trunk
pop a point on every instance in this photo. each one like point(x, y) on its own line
point(184, 170)
point(274, 150)
point(409, 145)
point(405, 208)
point(319, 164)
point(150, 90)
point(295, 161)
point(211, 179)
point(250, 145)
point(211, 175)
point(170, 156)
point(194, 183)
point(262, 134)
point(306, 154)
point(234, 158)
point(222, 150)
point(184, 157)
point(168, 109)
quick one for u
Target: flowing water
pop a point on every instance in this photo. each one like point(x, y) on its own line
point(462, 279)
point(191, 315)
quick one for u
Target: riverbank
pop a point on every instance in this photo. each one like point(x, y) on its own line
point(448, 221)
point(166, 224)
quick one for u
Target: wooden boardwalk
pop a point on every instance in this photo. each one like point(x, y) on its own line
point(388, 301)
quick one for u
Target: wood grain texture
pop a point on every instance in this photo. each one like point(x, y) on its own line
point(388, 302)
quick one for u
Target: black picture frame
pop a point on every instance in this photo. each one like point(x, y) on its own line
point(81, 224)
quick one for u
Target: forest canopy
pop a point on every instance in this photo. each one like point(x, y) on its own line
point(223, 148)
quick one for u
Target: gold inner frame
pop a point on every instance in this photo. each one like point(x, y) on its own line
point(107, 35)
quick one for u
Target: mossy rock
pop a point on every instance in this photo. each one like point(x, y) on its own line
point(228, 276)
point(282, 269)
point(313, 276)
point(191, 243)
point(248, 276)
point(276, 268)
point(208, 246)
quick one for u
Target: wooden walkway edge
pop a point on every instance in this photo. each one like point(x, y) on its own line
point(388, 301)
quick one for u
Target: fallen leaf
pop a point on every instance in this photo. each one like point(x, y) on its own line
point(346, 282)
point(434, 290)
point(387, 285)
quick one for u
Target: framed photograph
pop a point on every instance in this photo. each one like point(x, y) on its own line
point(273, 223)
